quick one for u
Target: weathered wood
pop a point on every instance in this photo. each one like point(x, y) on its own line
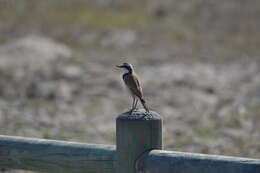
point(136, 133)
point(55, 156)
point(158, 161)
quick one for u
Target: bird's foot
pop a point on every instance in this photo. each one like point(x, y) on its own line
point(131, 110)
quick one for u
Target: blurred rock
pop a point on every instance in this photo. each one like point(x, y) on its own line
point(32, 51)
point(51, 90)
point(42, 89)
point(72, 72)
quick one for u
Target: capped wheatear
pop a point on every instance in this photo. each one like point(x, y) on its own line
point(133, 84)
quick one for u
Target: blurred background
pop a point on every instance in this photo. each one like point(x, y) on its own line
point(198, 62)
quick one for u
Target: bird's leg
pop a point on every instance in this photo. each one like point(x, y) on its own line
point(135, 103)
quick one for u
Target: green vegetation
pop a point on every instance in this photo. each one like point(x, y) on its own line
point(57, 13)
point(205, 133)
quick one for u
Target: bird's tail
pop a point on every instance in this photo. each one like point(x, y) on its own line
point(144, 105)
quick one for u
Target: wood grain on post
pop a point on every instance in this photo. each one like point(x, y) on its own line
point(136, 134)
point(158, 161)
point(55, 156)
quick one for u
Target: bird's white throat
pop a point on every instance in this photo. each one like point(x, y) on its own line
point(125, 71)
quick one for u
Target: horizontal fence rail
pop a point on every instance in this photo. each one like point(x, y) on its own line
point(55, 156)
point(158, 161)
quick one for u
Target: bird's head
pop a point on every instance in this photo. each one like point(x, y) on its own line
point(126, 66)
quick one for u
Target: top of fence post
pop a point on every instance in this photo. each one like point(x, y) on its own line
point(136, 133)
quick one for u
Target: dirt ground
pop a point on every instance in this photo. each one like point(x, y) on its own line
point(198, 62)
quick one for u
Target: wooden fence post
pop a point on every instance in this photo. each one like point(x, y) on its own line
point(136, 134)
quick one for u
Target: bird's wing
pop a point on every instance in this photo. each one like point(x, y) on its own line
point(132, 82)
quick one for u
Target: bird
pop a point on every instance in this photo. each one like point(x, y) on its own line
point(132, 82)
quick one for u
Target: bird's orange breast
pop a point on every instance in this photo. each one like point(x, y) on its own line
point(132, 82)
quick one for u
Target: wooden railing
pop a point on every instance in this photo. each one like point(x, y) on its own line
point(138, 150)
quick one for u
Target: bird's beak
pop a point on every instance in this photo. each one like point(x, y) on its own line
point(119, 66)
